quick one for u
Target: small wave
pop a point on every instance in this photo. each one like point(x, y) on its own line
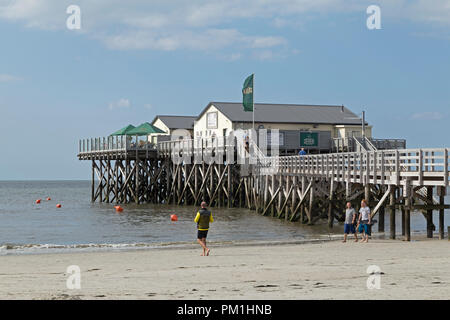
point(7, 249)
point(12, 249)
point(15, 249)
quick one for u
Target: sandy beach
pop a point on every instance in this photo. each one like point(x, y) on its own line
point(326, 270)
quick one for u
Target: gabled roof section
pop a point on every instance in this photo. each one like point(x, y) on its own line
point(288, 113)
point(177, 122)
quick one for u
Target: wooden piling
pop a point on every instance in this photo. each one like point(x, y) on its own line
point(330, 205)
point(381, 223)
point(408, 211)
point(403, 215)
point(93, 182)
point(392, 214)
point(429, 219)
point(441, 192)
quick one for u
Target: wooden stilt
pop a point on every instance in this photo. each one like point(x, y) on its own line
point(408, 211)
point(403, 218)
point(311, 201)
point(330, 205)
point(441, 193)
point(429, 215)
point(381, 223)
point(93, 182)
point(136, 196)
point(392, 214)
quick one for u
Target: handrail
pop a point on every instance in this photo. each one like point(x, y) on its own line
point(418, 167)
point(110, 144)
point(372, 147)
point(360, 145)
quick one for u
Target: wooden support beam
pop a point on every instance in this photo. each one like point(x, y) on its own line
point(311, 202)
point(382, 201)
point(392, 213)
point(441, 192)
point(330, 205)
point(137, 180)
point(408, 197)
point(229, 186)
point(300, 205)
point(430, 225)
point(93, 182)
point(381, 223)
point(271, 201)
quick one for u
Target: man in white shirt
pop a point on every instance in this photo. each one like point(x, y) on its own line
point(364, 221)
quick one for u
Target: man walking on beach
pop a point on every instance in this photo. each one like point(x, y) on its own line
point(364, 221)
point(203, 218)
point(350, 221)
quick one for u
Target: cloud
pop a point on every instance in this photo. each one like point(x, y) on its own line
point(120, 104)
point(433, 115)
point(9, 78)
point(204, 25)
point(208, 40)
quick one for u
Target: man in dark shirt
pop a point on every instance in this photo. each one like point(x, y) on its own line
point(203, 218)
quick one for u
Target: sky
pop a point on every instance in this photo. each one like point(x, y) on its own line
point(132, 60)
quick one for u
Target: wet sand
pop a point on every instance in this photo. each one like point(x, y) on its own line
point(325, 270)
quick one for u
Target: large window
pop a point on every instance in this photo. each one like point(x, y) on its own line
point(211, 120)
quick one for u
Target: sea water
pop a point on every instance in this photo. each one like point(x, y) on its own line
point(27, 227)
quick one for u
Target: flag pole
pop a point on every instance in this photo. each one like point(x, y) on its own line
point(253, 93)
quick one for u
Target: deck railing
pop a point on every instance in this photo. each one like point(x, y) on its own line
point(351, 144)
point(111, 144)
point(200, 147)
point(419, 167)
point(388, 144)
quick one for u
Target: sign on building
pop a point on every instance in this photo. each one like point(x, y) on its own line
point(309, 139)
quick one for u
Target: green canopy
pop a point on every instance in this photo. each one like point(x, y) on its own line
point(123, 131)
point(144, 130)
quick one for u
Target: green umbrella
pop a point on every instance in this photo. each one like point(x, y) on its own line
point(144, 130)
point(123, 131)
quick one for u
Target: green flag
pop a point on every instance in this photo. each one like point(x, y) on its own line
point(247, 94)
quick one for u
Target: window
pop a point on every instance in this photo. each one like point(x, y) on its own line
point(269, 138)
point(211, 120)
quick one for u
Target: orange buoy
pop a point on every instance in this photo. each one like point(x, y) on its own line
point(173, 217)
point(58, 205)
point(118, 208)
point(38, 201)
point(48, 199)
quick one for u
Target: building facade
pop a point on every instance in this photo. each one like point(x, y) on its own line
point(300, 126)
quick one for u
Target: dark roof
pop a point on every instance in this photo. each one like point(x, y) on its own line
point(177, 122)
point(288, 113)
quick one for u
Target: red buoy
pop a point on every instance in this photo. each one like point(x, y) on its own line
point(58, 205)
point(38, 201)
point(118, 208)
point(173, 217)
point(48, 199)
